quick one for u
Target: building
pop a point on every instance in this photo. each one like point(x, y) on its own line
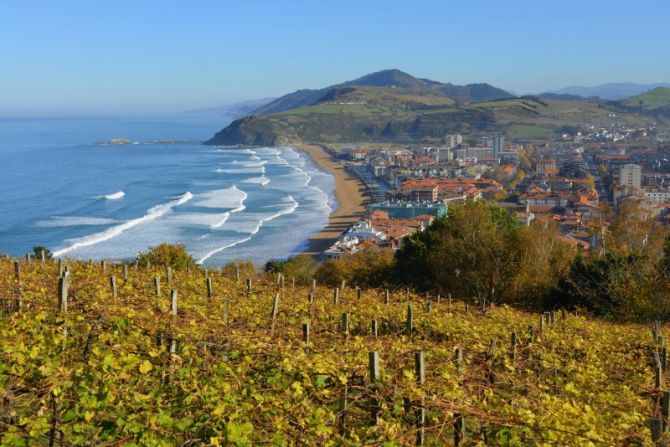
point(498, 145)
point(427, 193)
point(546, 166)
point(445, 154)
point(478, 152)
point(410, 210)
point(510, 156)
point(656, 195)
point(630, 175)
point(358, 153)
point(454, 140)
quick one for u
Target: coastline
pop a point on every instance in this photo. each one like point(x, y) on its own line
point(350, 195)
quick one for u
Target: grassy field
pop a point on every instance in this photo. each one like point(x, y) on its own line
point(653, 99)
point(401, 116)
point(278, 364)
point(529, 133)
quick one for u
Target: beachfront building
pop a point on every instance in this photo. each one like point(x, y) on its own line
point(377, 229)
point(358, 153)
point(451, 188)
point(402, 209)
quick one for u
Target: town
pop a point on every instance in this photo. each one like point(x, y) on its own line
point(575, 183)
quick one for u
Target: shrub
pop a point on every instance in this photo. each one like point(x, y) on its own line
point(174, 256)
point(246, 268)
point(39, 249)
point(368, 268)
point(301, 268)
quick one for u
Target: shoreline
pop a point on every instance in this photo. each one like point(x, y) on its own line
point(350, 195)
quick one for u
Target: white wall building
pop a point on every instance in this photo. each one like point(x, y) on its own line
point(630, 175)
point(657, 195)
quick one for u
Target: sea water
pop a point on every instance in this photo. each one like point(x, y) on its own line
point(63, 188)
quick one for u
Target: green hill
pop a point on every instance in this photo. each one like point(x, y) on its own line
point(656, 99)
point(379, 114)
point(386, 79)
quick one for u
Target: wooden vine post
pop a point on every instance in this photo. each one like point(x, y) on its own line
point(62, 293)
point(420, 373)
point(373, 369)
point(305, 334)
point(275, 310)
point(112, 285)
point(208, 282)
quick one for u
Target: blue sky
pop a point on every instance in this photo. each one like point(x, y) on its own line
point(72, 57)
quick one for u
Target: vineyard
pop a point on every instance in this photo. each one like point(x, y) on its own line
point(100, 354)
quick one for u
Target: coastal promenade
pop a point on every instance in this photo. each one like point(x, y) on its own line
point(350, 195)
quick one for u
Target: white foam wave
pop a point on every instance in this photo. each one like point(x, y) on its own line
point(250, 164)
point(232, 197)
point(290, 209)
point(249, 170)
point(220, 222)
point(153, 213)
point(294, 206)
point(115, 196)
point(325, 199)
point(220, 249)
point(262, 180)
point(268, 151)
point(239, 151)
point(73, 221)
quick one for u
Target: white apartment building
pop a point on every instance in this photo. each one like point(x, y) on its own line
point(630, 175)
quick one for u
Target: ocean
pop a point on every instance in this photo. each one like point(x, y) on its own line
point(63, 189)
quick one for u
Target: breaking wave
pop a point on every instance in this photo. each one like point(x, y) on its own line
point(290, 209)
point(153, 213)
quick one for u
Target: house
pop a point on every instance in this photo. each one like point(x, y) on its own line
point(358, 153)
point(426, 193)
point(546, 166)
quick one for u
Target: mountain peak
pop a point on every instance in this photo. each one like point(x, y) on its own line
point(389, 78)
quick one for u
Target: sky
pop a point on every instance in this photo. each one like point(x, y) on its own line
point(82, 57)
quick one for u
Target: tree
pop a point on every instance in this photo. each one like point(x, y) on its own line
point(626, 279)
point(590, 181)
point(301, 268)
point(245, 269)
point(602, 169)
point(369, 268)
point(665, 261)
point(615, 286)
point(543, 260)
point(634, 231)
point(39, 249)
point(174, 256)
point(472, 251)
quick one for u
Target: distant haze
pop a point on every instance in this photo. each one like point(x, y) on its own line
point(613, 90)
point(77, 58)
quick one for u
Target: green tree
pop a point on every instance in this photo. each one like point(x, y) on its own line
point(174, 256)
point(39, 249)
point(244, 267)
point(543, 260)
point(615, 286)
point(472, 251)
point(369, 268)
point(301, 268)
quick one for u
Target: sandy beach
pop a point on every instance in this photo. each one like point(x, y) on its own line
point(350, 197)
